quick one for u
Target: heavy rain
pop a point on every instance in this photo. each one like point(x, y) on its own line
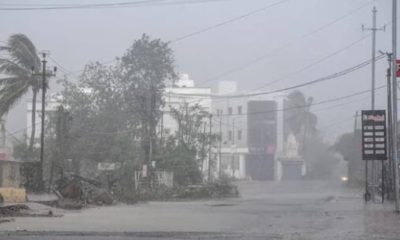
point(199, 119)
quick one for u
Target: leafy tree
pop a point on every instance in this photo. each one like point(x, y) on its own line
point(349, 146)
point(102, 128)
point(302, 122)
point(21, 58)
point(298, 117)
point(145, 68)
point(186, 150)
point(321, 160)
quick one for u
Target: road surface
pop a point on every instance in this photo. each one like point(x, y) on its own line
point(266, 210)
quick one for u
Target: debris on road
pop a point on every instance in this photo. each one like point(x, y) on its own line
point(25, 210)
point(220, 189)
point(76, 192)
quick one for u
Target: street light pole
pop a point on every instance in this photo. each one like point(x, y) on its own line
point(394, 104)
point(373, 29)
point(209, 148)
point(43, 119)
point(389, 185)
point(44, 74)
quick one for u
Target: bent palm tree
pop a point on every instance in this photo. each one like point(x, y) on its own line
point(17, 78)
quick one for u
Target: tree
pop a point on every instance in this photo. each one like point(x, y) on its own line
point(186, 150)
point(145, 68)
point(299, 119)
point(302, 122)
point(102, 128)
point(21, 58)
point(349, 146)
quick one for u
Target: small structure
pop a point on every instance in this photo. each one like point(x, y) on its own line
point(291, 165)
point(10, 178)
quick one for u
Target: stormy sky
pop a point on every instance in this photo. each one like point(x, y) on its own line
point(260, 44)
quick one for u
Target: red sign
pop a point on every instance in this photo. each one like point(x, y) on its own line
point(398, 68)
point(3, 156)
point(271, 149)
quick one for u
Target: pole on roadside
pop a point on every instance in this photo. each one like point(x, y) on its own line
point(220, 148)
point(390, 123)
point(394, 105)
point(44, 83)
point(44, 74)
point(233, 148)
point(209, 150)
point(374, 29)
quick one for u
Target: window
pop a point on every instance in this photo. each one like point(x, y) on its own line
point(230, 136)
point(239, 134)
point(229, 111)
point(219, 112)
point(240, 110)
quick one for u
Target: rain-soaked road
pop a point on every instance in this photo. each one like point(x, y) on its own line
point(266, 210)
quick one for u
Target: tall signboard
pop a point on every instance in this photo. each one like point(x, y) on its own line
point(374, 135)
point(261, 139)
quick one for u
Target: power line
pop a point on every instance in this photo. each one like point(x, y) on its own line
point(76, 6)
point(105, 5)
point(63, 69)
point(322, 79)
point(273, 51)
point(313, 104)
point(195, 33)
point(309, 105)
point(315, 63)
point(227, 21)
point(242, 67)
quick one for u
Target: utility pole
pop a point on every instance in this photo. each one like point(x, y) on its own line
point(203, 147)
point(374, 29)
point(209, 150)
point(44, 86)
point(388, 170)
point(220, 147)
point(350, 172)
point(389, 165)
point(44, 74)
point(233, 146)
point(162, 127)
point(355, 122)
point(394, 104)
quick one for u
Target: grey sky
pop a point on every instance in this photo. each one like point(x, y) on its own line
point(76, 37)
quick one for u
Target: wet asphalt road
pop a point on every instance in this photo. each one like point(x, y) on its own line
point(265, 210)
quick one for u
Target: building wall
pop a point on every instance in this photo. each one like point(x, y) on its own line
point(10, 174)
point(184, 94)
point(230, 123)
point(254, 127)
point(177, 97)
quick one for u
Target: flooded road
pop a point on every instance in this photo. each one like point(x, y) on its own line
point(265, 210)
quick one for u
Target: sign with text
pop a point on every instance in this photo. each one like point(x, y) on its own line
point(106, 166)
point(398, 68)
point(374, 135)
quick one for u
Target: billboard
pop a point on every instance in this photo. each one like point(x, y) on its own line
point(374, 135)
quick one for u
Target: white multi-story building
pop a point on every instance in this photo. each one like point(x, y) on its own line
point(183, 93)
point(251, 133)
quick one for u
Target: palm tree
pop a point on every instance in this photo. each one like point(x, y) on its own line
point(17, 75)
